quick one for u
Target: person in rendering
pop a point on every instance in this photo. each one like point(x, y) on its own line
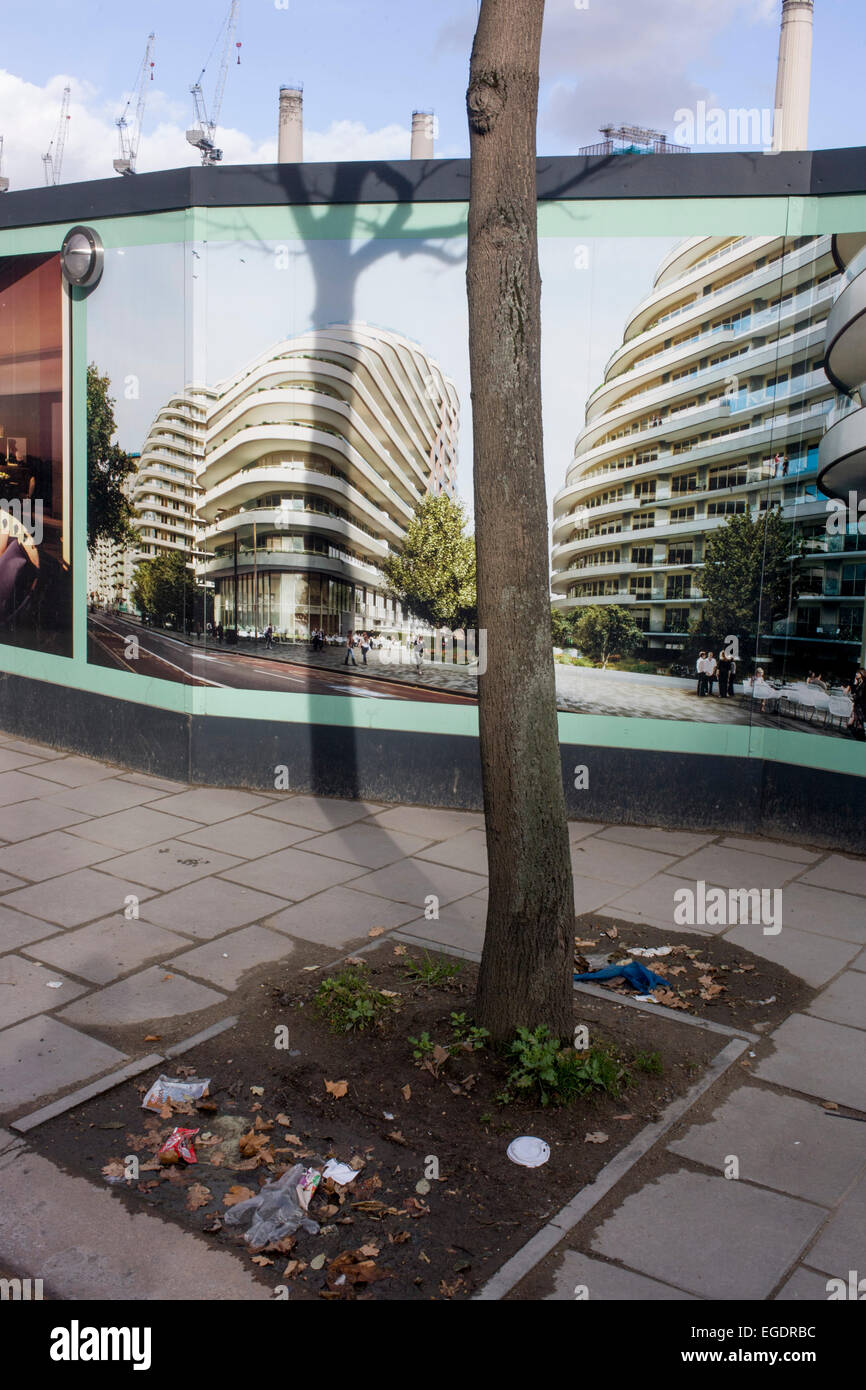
point(269, 637)
point(710, 666)
point(701, 669)
point(857, 690)
point(727, 671)
point(365, 645)
point(418, 648)
point(350, 649)
point(219, 632)
point(815, 678)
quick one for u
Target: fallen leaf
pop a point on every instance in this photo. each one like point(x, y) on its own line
point(153, 1037)
point(829, 1105)
point(397, 1138)
point(389, 994)
point(114, 1168)
point(398, 1237)
point(667, 996)
point(261, 1260)
point(318, 1261)
point(597, 1137)
point(257, 1090)
point(623, 1117)
point(263, 1125)
point(440, 1055)
point(370, 1251)
point(355, 960)
point(284, 1120)
point(399, 950)
point(376, 931)
point(337, 1089)
point(612, 933)
point(422, 1256)
point(293, 1268)
point(580, 945)
point(406, 1093)
point(305, 968)
point(197, 1196)
point(215, 1226)
point(236, 1194)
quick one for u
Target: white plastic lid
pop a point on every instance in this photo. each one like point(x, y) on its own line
point(528, 1151)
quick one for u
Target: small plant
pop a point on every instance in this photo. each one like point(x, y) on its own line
point(649, 1062)
point(422, 1047)
point(349, 1003)
point(434, 973)
point(546, 1071)
point(467, 1038)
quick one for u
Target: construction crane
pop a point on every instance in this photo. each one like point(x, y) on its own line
point(130, 136)
point(53, 161)
point(4, 183)
point(203, 133)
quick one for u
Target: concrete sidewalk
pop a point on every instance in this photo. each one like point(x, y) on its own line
point(126, 899)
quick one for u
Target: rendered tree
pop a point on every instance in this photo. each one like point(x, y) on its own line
point(749, 579)
point(525, 976)
point(603, 631)
point(109, 514)
point(434, 575)
point(164, 591)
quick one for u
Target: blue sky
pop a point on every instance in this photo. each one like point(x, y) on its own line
point(366, 66)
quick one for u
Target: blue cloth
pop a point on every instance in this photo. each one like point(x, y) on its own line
point(636, 975)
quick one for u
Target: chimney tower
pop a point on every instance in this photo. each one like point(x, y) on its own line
point(791, 117)
point(422, 135)
point(290, 137)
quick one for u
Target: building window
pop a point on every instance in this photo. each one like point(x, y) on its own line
point(641, 554)
point(676, 620)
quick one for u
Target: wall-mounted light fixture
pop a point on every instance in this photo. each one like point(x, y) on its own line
point(82, 257)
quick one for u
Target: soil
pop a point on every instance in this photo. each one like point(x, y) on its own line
point(444, 1242)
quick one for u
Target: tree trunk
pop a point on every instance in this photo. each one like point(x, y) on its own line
point(526, 967)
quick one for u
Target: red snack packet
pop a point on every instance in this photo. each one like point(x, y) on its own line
point(178, 1146)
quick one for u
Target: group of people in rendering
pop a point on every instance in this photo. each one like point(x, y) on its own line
point(708, 669)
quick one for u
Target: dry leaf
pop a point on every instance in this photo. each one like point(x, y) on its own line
point(667, 997)
point(153, 1037)
point(440, 1055)
point(398, 1237)
point(597, 1137)
point(389, 993)
point(376, 931)
point(399, 950)
point(397, 1138)
point(197, 1196)
point(284, 1120)
point(337, 1089)
point(829, 1105)
point(294, 1267)
point(612, 933)
point(406, 1093)
point(580, 945)
point(370, 1251)
point(257, 1090)
point(237, 1194)
point(293, 1139)
point(263, 1125)
point(261, 1260)
point(114, 1168)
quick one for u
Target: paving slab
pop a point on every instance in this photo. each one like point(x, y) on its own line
point(106, 949)
point(604, 1282)
point(23, 786)
point(294, 874)
point(251, 836)
point(9, 881)
point(715, 1238)
point(592, 893)
point(87, 1244)
point(804, 1286)
point(210, 906)
point(11, 758)
point(43, 1055)
point(780, 1142)
point(580, 829)
point(151, 994)
point(617, 863)
point(428, 822)
point(813, 958)
point(841, 1246)
point(839, 872)
point(844, 1001)
point(340, 915)
point(211, 804)
point(818, 1058)
point(104, 798)
point(76, 771)
point(72, 899)
point(653, 903)
point(824, 912)
point(28, 745)
point(224, 962)
point(320, 813)
point(27, 988)
point(467, 851)
point(171, 864)
point(28, 818)
point(676, 842)
point(415, 880)
point(735, 868)
point(133, 828)
point(47, 856)
point(17, 929)
point(774, 848)
point(860, 962)
point(160, 784)
point(369, 845)
point(460, 924)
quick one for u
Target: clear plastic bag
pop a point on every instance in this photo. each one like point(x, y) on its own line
point(277, 1210)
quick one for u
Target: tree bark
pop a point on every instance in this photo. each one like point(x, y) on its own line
point(526, 967)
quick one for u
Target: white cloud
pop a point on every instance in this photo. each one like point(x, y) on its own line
point(29, 116)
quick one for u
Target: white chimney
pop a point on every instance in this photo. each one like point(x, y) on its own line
point(791, 117)
point(422, 135)
point(290, 139)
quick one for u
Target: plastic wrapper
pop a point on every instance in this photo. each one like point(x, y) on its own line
point(169, 1088)
point(178, 1146)
point(278, 1209)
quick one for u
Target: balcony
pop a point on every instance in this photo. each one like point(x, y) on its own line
point(842, 456)
point(845, 356)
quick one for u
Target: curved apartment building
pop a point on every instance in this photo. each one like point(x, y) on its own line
point(315, 456)
point(713, 405)
point(164, 490)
